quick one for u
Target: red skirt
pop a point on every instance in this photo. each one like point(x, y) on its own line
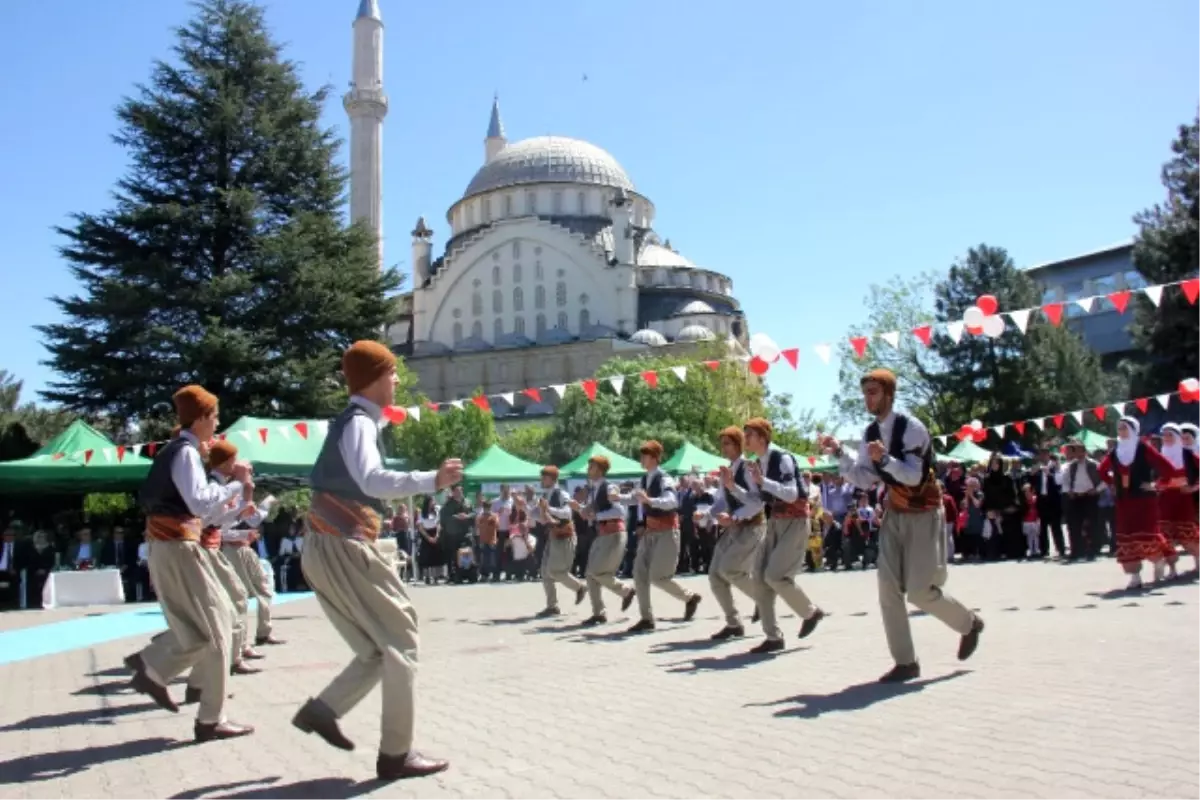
point(1177, 517)
point(1138, 535)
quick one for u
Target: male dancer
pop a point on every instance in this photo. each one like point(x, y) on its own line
point(235, 546)
point(607, 515)
point(782, 553)
point(897, 451)
point(738, 510)
point(175, 497)
point(658, 540)
point(357, 586)
point(553, 515)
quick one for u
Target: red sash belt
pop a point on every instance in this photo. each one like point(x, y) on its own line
point(339, 516)
point(915, 499)
point(665, 522)
point(562, 530)
point(173, 529)
point(210, 538)
point(794, 510)
point(608, 526)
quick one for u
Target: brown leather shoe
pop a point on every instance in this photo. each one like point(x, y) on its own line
point(191, 695)
point(144, 684)
point(209, 732)
point(627, 600)
point(241, 668)
point(580, 594)
point(642, 626)
point(728, 632)
point(902, 673)
point(689, 609)
point(767, 646)
point(810, 624)
point(268, 639)
point(970, 640)
point(316, 717)
point(409, 765)
point(594, 620)
point(250, 654)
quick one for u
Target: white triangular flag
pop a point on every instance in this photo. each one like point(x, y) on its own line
point(283, 429)
point(457, 404)
point(892, 338)
point(414, 412)
point(1020, 318)
point(955, 330)
point(244, 434)
point(617, 382)
point(509, 397)
point(1078, 415)
point(1120, 408)
point(559, 389)
point(137, 450)
point(1164, 400)
point(823, 351)
point(109, 452)
point(680, 372)
point(999, 429)
point(1038, 421)
point(1154, 293)
point(1085, 303)
point(323, 427)
point(942, 440)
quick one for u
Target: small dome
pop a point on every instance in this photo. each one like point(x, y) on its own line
point(549, 159)
point(513, 340)
point(472, 343)
point(695, 307)
point(597, 331)
point(695, 333)
point(653, 254)
point(555, 335)
point(649, 337)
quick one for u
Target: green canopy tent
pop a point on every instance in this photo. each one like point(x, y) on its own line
point(819, 464)
point(689, 458)
point(283, 451)
point(621, 467)
point(966, 452)
point(497, 465)
point(78, 460)
point(1092, 441)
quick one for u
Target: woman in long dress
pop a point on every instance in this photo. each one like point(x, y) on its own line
point(1177, 496)
point(430, 558)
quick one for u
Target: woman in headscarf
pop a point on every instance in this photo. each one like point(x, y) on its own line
point(1177, 496)
point(1001, 504)
point(1132, 467)
point(431, 559)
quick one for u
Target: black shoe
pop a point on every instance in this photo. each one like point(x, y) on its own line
point(689, 608)
point(580, 594)
point(409, 765)
point(547, 612)
point(191, 695)
point(627, 600)
point(810, 624)
point(595, 619)
point(767, 646)
point(316, 717)
point(642, 626)
point(970, 640)
point(902, 673)
point(144, 684)
point(210, 732)
point(755, 617)
point(728, 632)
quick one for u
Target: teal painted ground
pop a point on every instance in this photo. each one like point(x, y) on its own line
point(74, 634)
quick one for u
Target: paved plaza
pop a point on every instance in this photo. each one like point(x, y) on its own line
point(1076, 691)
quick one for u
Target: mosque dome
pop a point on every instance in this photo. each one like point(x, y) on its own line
point(649, 337)
point(549, 159)
point(653, 254)
point(695, 333)
point(695, 307)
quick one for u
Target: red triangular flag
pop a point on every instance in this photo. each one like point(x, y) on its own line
point(151, 448)
point(1120, 300)
point(1020, 426)
point(1058, 420)
point(792, 356)
point(120, 452)
point(651, 378)
point(302, 429)
point(712, 365)
point(859, 343)
point(1099, 412)
point(262, 434)
point(1142, 403)
point(1191, 289)
point(1053, 312)
point(481, 402)
point(812, 460)
point(393, 414)
point(57, 456)
point(924, 333)
point(589, 388)
point(87, 456)
point(432, 407)
point(533, 394)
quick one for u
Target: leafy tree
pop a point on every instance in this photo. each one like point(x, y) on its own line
point(795, 430)
point(1167, 249)
point(528, 442)
point(106, 506)
point(438, 435)
point(25, 427)
point(224, 259)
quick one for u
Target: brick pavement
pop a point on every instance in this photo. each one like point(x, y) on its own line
point(1076, 691)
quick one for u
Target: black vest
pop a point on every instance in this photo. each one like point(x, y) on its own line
point(556, 499)
point(774, 472)
point(158, 495)
point(732, 504)
point(654, 488)
point(330, 474)
point(896, 450)
point(1140, 473)
point(600, 500)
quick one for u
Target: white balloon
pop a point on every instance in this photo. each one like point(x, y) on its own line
point(974, 316)
point(976, 425)
point(764, 347)
point(993, 326)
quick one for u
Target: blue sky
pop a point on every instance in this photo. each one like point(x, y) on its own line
point(806, 149)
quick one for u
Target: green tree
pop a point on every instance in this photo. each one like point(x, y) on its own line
point(795, 430)
point(448, 433)
point(224, 259)
point(528, 442)
point(24, 427)
point(1167, 249)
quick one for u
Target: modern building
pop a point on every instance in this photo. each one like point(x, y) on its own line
point(551, 266)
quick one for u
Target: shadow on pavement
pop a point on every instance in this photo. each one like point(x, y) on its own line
point(105, 689)
point(852, 698)
point(739, 660)
point(64, 763)
point(87, 716)
point(508, 620)
point(299, 790)
point(685, 646)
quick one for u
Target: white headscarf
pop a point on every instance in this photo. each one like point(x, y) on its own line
point(1189, 428)
point(1127, 447)
point(1172, 452)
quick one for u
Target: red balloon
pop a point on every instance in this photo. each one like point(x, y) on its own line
point(974, 330)
point(988, 304)
point(979, 436)
point(395, 414)
point(965, 432)
point(1189, 390)
point(758, 366)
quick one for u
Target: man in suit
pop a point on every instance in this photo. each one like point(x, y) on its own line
point(1047, 485)
point(84, 551)
point(10, 578)
point(1082, 486)
point(120, 553)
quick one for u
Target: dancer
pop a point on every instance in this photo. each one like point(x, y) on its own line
point(176, 497)
point(1177, 498)
point(897, 451)
point(1131, 467)
point(235, 546)
point(738, 511)
point(553, 514)
point(357, 586)
point(658, 540)
point(607, 515)
point(781, 555)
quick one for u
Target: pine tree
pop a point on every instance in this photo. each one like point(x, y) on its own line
point(224, 260)
point(1167, 249)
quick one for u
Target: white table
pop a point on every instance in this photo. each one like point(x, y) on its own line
point(98, 587)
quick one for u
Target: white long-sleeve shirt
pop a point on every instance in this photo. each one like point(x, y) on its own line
point(666, 500)
point(202, 497)
point(615, 511)
point(553, 515)
point(786, 489)
point(359, 448)
point(261, 511)
point(908, 470)
point(751, 500)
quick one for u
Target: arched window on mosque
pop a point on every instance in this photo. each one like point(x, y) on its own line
point(497, 301)
point(530, 202)
point(496, 275)
point(519, 326)
point(516, 248)
point(477, 330)
point(562, 320)
point(508, 205)
point(541, 325)
point(539, 297)
point(476, 303)
point(497, 330)
point(457, 332)
point(516, 273)
point(518, 299)
point(585, 320)
point(560, 293)
point(582, 204)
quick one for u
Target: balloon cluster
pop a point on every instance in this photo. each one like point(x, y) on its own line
point(1189, 390)
point(982, 318)
point(974, 431)
point(764, 352)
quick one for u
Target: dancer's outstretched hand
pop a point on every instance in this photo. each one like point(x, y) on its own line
point(449, 473)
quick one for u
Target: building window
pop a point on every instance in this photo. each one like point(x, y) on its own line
point(1051, 294)
point(562, 320)
point(531, 202)
point(476, 303)
point(516, 248)
point(496, 276)
point(1134, 280)
point(516, 273)
point(497, 301)
point(539, 297)
point(508, 205)
point(585, 320)
point(457, 332)
point(1074, 293)
point(558, 202)
point(485, 204)
point(541, 325)
point(497, 330)
point(582, 204)
point(560, 293)
point(519, 326)
point(518, 299)
point(474, 214)
point(477, 330)
point(537, 270)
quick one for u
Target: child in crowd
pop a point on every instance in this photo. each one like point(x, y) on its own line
point(1030, 522)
